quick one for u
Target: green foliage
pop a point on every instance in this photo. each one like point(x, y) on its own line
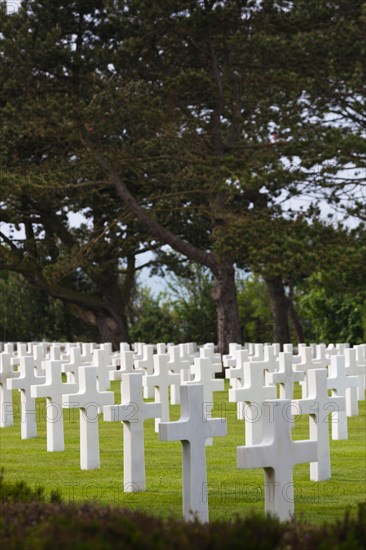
point(182, 314)
point(20, 491)
point(333, 316)
point(152, 319)
point(29, 314)
point(59, 526)
point(255, 313)
point(192, 303)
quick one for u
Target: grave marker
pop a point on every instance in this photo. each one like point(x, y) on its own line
point(133, 411)
point(236, 374)
point(286, 376)
point(71, 369)
point(23, 383)
point(277, 454)
point(53, 389)
point(308, 363)
point(179, 366)
point(253, 394)
point(340, 384)
point(103, 366)
point(89, 400)
point(126, 363)
point(204, 370)
point(354, 369)
point(193, 429)
point(147, 364)
point(319, 406)
point(161, 380)
point(6, 397)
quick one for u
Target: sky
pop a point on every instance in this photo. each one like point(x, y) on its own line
point(12, 5)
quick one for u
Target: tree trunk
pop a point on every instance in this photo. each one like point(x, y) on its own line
point(295, 321)
point(111, 320)
point(279, 307)
point(225, 298)
point(113, 329)
point(106, 311)
point(112, 325)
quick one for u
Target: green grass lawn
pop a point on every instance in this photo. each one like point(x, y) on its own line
point(230, 491)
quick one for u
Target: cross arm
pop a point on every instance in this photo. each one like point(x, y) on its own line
point(175, 431)
point(255, 456)
point(305, 451)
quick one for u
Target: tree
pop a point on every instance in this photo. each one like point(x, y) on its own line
point(254, 308)
point(80, 266)
point(44, 180)
point(255, 149)
point(333, 300)
point(28, 314)
point(195, 113)
point(218, 122)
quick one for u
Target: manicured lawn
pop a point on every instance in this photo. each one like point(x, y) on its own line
point(230, 491)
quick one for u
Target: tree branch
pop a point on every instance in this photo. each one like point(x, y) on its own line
point(165, 236)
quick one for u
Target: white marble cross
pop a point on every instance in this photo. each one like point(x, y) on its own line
point(126, 362)
point(6, 397)
point(253, 394)
point(256, 353)
point(104, 368)
point(269, 363)
point(319, 406)
point(55, 352)
point(285, 376)
point(193, 429)
point(340, 384)
point(276, 348)
point(21, 351)
point(23, 383)
point(320, 358)
point(38, 357)
point(71, 369)
point(277, 454)
point(288, 348)
point(236, 373)
point(161, 380)
point(188, 351)
point(161, 348)
point(138, 349)
point(107, 346)
point(180, 366)
point(361, 364)
point(9, 348)
point(230, 360)
point(53, 389)
point(204, 370)
point(133, 411)
point(89, 400)
point(354, 369)
point(208, 352)
point(147, 364)
point(116, 356)
point(308, 363)
point(87, 352)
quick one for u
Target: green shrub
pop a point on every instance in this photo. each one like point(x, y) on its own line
point(32, 524)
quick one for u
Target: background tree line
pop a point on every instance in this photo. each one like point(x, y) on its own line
point(219, 129)
point(185, 312)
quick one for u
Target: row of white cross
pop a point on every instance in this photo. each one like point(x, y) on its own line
point(253, 372)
